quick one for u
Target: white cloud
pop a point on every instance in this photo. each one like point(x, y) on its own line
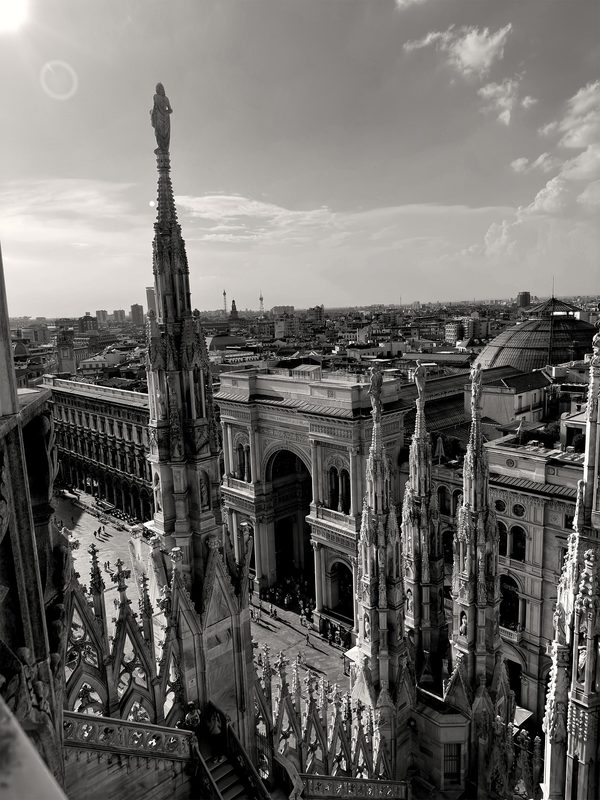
point(590, 197)
point(406, 3)
point(580, 125)
point(500, 98)
point(520, 164)
point(528, 101)
point(585, 166)
point(557, 231)
point(544, 162)
point(469, 50)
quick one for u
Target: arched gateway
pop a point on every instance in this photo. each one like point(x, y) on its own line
point(295, 444)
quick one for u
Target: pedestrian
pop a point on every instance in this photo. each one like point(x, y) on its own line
point(308, 642)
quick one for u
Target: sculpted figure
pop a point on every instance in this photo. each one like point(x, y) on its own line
point(419, 376)
point(159, 116)
point(375, 385)
point(475, 386)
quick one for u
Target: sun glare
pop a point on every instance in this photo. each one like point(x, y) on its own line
point(13, 14)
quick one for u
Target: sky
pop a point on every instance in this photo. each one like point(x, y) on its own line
point(343, 152)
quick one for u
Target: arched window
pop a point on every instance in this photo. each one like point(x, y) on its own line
point(240, 462)
point(509, 603)
point(502, 538)
point(334, 488)
point(518, 543)
point(444, 500)
point(345, 491)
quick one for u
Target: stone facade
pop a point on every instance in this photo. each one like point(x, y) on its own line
point(295, 446)
point(103, 444)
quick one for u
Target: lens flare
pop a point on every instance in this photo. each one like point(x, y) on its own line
point(59, 80)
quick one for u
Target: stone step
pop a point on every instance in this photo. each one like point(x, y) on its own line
point(235, 792)
point(218, 770)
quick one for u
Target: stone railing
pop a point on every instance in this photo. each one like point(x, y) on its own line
point(320, 786)
point(343, 520)
point(120, 736)
point(239, 758)
point(235, 483)
point(510, 635)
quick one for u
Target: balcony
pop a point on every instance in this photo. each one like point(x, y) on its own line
point(510, 635)
point(234, 483)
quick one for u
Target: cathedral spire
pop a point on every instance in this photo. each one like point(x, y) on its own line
point(381, 647)
point(378, 471)
point(475, 580)
point(171, 273)
point(183, 431)
point(422, 551)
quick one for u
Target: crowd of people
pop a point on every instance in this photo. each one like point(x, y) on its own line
point(293, 594)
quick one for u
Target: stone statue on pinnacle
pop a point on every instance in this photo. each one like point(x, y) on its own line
point(161, 122)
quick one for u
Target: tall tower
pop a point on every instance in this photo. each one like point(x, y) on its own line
point(202, 577)
point(224, 302)
point(479, 682)
point(183, 430)
point(422, 552)
point(383, 671)
point(572, 719)
point(262, 303)
point(475, 579)
point(65, 347)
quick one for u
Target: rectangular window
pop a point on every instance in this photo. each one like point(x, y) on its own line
point(569, 518)
point(452, 763)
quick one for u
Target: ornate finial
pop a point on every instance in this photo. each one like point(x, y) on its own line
point(375, 386)
point(120, 576)
point(96, 582)
point(176, 558)
point(159, 116)
point(145, 604)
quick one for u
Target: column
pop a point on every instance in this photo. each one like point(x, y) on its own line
point(522, 612)
point(355, 594)
point(227, 454)
point(318, 577)
point(353, 481)
point(235, 535)
point(257, 556)
point(254, 466)
point(314, 453)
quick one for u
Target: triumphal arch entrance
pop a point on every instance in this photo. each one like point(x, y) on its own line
point(296, 442)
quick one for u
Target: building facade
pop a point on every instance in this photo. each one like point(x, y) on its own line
point(295, 446)
point(102, 440)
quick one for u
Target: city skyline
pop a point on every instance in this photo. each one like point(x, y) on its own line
point(409, 148)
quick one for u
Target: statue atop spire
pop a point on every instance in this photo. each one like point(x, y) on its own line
point(375, 387)
point(475, 388)
point(159, 116)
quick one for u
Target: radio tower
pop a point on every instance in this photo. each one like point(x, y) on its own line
point(224, 302)
point(262, 304)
